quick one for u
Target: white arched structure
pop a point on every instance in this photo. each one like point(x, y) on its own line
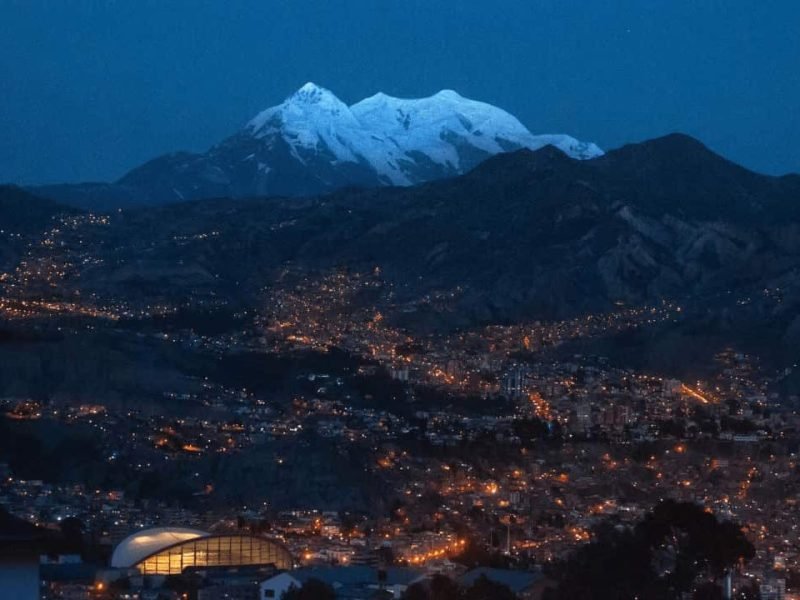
point(170, 550)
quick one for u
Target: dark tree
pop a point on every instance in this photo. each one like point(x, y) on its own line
point(708, 591)
point(386, 556)
point(476, 555)
point(530, 430)
point(612, 567)
point(486, 589)
point(748, 591)
point(675, 546)
point(418, 591)
point(73, 531)
point(348, 523)
point(444, 588)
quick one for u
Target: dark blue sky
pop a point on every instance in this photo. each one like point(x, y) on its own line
point(91, 89)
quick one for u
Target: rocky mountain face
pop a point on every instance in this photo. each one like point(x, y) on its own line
point(314, 143)
point(529, 234)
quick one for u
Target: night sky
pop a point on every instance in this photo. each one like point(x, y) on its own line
point(92, 89)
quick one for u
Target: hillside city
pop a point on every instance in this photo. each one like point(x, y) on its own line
point(502, 445)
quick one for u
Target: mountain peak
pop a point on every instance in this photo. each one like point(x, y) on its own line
point(313, 142)
point(447, 94)
point(309, 106)
point(311, 93)
point(673, 148)
point(520, 163)
point(676, 141)
point(310, 86)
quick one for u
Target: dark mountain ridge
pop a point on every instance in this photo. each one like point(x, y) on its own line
point(525, 235)
point(23, 212)
point(530, 233)
point(23, 217)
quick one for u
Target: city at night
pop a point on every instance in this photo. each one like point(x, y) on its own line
point(382, 300)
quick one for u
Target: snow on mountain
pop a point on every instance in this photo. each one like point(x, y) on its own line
point(314, 143)
point(422, 125)
point(394, 134)
point(313, 118)
point(310, 117)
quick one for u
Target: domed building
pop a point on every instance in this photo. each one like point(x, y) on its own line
point(170, 550)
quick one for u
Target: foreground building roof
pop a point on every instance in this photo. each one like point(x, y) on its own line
point(143, 543)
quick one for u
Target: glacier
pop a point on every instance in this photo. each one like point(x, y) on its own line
point(392, 135)
point(313, 143)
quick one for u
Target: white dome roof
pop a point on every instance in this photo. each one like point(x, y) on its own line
point(143, 543)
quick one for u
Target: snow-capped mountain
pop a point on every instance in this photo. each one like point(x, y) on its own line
point(439, 125)
point(313, 143)
point(403, 141)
